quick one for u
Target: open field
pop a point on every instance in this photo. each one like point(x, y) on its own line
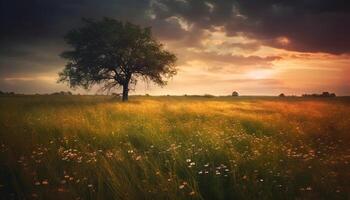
point(94, 147)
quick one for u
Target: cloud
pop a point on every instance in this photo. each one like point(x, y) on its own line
point(247, 47)
point(31, 58)
point(218, 62)
point(237, 60)
point(298, 21)
point(310, 26)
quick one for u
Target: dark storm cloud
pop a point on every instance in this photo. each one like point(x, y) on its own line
point(36, 18)
point(310, 25)
point(31, 31)
point(30, 58)
point(313, 25)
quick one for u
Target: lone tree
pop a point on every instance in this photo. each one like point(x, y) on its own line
point(113, 54)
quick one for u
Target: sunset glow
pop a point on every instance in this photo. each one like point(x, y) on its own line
point(255, 56)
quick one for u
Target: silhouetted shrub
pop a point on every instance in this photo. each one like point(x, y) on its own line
point(235, 94)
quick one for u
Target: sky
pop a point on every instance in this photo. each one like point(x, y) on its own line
point(254, 47)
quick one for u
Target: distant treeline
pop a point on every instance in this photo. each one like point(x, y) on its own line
point(324, 94)
point(6, 93)
point(234, 94)
point(62, 93)
point(55, 93)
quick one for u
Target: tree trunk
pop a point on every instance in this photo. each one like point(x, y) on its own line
point(125, 91)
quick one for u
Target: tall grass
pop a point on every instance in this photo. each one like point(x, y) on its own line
point(94, 147)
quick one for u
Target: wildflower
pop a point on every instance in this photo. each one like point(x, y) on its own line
point(45, 182)
point(138, 158)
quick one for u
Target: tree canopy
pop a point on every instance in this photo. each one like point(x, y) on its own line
point(113, 54)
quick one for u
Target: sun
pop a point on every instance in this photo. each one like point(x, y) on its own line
point(259, 74)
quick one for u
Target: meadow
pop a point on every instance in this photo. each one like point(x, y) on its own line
point(96, 147)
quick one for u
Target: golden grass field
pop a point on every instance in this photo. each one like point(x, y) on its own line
point(95, 147)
